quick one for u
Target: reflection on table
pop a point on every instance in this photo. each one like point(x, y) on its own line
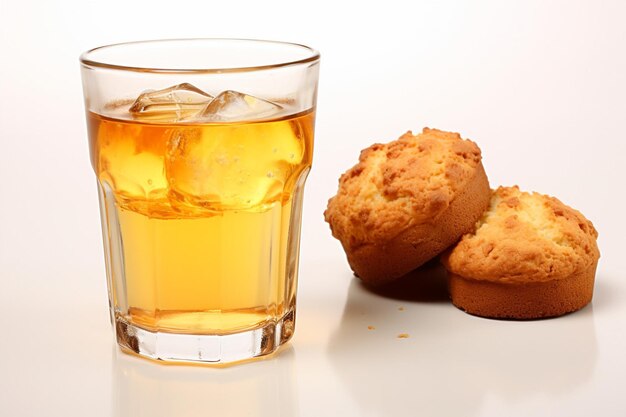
point(451, 361)
point(254, 389)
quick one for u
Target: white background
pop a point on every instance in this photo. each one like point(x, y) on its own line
point(539, 85)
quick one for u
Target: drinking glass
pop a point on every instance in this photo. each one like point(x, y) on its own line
point(201, 148)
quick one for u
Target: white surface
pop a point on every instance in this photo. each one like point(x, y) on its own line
point(539, 85)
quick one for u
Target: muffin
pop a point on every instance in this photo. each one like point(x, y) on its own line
point(530, 256)
point(407, 201)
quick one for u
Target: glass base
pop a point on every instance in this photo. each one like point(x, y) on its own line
point(208, 349)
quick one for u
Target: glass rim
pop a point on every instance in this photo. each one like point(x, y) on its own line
point(87, 61)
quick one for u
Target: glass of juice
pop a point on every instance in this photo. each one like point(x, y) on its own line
point(201, 148)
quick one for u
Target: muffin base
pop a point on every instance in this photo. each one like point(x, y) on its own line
point(522, 301)
point(380, 263)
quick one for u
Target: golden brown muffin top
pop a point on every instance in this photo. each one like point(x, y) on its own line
point(400, 184)
point(525, 237)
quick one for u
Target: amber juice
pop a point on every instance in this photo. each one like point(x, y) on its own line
point(201, 220)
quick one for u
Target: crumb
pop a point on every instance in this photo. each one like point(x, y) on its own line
point(403, 336)
point(400, 308)
point(371, 328)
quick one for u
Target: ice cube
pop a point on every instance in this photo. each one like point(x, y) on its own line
point(173, 104)
point(230, 166)
point(131, 161)
point(230, 106)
